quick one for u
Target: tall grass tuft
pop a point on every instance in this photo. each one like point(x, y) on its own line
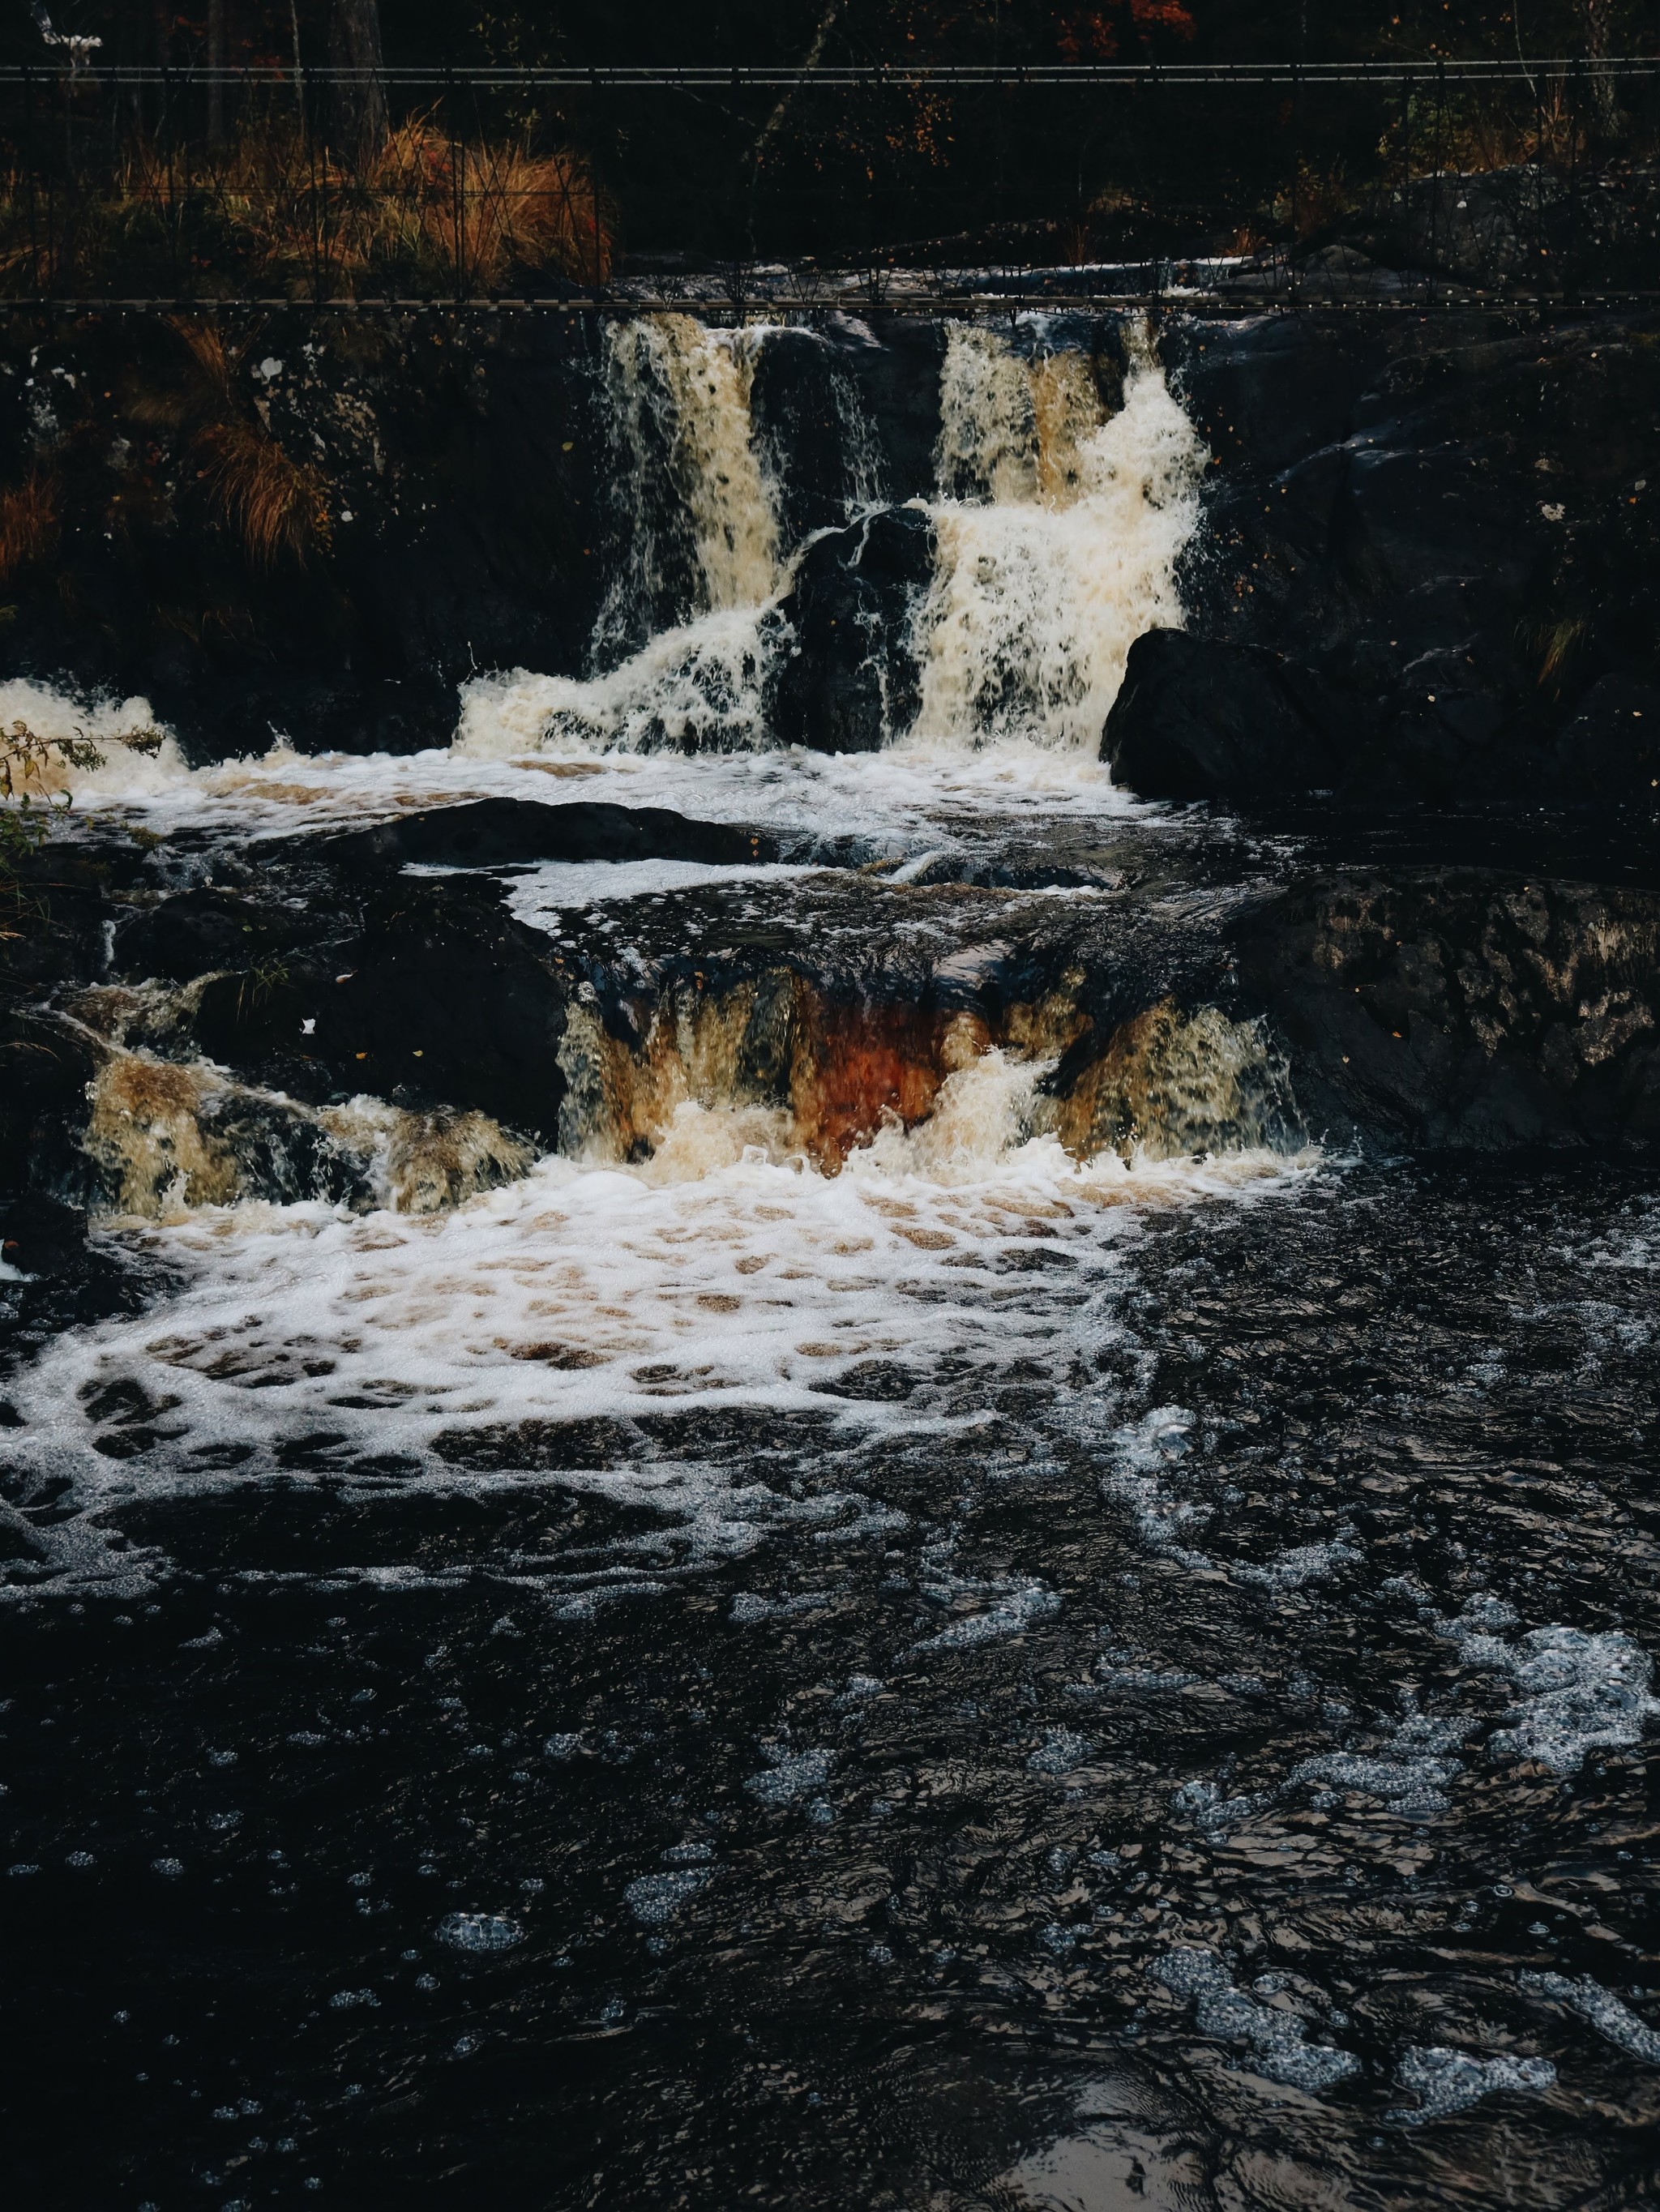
point(28, 522)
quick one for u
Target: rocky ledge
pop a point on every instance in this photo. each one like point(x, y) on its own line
point(308, 1019)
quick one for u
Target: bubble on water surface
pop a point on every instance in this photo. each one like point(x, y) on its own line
point(791, 1775)
point(479, 1931)
point(1061, 1751)
point(1601, 2008)
point(1278, 2039)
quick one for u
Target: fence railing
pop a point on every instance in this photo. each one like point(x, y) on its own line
point(1509, 181)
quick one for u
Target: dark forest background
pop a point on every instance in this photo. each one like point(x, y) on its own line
point(862, 174)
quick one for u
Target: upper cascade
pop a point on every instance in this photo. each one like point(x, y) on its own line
point(1067, 494)
point(1067, 484)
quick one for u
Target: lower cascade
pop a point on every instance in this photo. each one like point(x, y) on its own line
point(845, 1400)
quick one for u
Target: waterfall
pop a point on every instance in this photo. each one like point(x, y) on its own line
point(1060, 517)
point(1059, 528)
point(696, 526)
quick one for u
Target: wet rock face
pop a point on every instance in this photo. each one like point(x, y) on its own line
point(436, 489)
point(1466, 1009)
point(852, 676)
point(1450, 525)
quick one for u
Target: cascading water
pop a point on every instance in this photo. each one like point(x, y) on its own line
point(1061, 515)
point(1059, 532)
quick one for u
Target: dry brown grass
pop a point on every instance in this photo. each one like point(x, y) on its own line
point(274, 505)
point(28, 522)
point(426, 209)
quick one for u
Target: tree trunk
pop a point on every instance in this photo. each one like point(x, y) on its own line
point(1598, 42)
point(215, 62)
point(361, 101)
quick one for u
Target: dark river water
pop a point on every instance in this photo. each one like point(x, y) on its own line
point(1193, 1757)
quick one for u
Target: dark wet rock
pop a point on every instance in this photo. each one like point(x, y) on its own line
point(1452, 524)
point(45, 1070)
point(851, 680)
point(1267, 391)
point(199, 929)
point(497, 832)
point(435, 996)
point(895, 362)
point(41, 1235)
point(1611, 746)
point(1465, 1008)
point(1199, 719)
point(813, 430)
point(442, 483)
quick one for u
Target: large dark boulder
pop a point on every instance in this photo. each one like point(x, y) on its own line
point(1456, 520)
point(1464, 1007)
point(850, 680)
point(1198, 720)
point(487, 832)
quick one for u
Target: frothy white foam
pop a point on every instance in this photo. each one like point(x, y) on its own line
point(1616, 2021)
point(1580, 1690)
point(59, 716)
point(1277, 2038)
point(698, 687)
point(557, 887)
point(711, 1276)
point(1445, 2081)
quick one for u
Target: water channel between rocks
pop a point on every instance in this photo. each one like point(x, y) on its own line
point(793, 1541)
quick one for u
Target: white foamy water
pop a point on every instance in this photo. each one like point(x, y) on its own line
point(716, 1274)
point(1445, 2081)
point(1579, 1691)
point(905, 802)
point(1277, 2040)
point(1062, 549)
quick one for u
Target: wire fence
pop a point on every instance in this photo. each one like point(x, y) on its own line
point(1520, 183)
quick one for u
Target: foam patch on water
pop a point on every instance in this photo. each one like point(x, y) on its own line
point(654, 1898)
point(1408, 1769)
point(1278, 2039)
point(1446, 2081)
point(1614, 2021)
point(557, 887)
point(712, 1276)
point(790, 1774)
point(1581, 1690)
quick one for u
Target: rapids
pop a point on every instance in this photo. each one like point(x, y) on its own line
point(877, 1603)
